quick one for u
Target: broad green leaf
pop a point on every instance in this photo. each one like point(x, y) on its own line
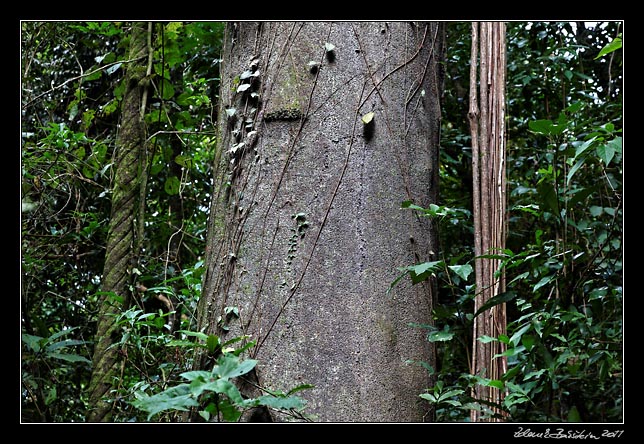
point(212, 343)
point(411, 205)
point(196, 374)
point(580, 162)
point(197, 334)
point(606, 152)
point(528, 341)
point(230, 366)
point(291, 402)
point(580, 195)
point(228, 411)
point(33, 342)
point(486, 339)
point(60, 333)
point(510, 352)
point(496, 300)
point(463, 271)
point(610, 47)
point(440, 336)
point(421, 272)
point(451, 393)
point(367, 118)
point(429, 397)
point(548, 196)
point(183, 343)
point(582, 148)
point(65, 343)
point(544, 281)
point(545, 127)
point(516, 337)
point(172, 185)
point(175, 398)
point(69, 357)
point(51, 396)
point(573, 415)
point(222, 386)
point(167, 89)
point(496, 383)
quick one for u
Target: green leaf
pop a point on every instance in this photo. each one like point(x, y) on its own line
point(228, 411)
point(51, 396)
point(221, 386)
point(287, 403)
point(463, 271)
point(421, 272)
point(528, 341)
point(582, 148)
point(212, 343)
point(574, 169)
point(230, 366)
point(197, 334)
point(516, 337)
point(33, 342)
point(573, 415)
point(167, 89)
point(172, 185)
point(496, 300)
point(510, 352)
point(367, 118)
point(610, 47)
point(183, 343)
point(484, 339)
point(65, 343)
point(175, 398)
point(69, 357)
point(544, 281)
point(496, 383)
point(545, 127)
point(196, 374)
point(429, 397)
point(299, 388)
point(440, 336)
point(580, 195)
point(548, 196)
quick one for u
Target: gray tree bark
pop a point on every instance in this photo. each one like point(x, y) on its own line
point(306, 231)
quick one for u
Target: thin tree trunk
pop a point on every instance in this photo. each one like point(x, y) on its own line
point(487, 125)
point(121, 251)
point(306, 231)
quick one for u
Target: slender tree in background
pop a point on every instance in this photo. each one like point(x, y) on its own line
point(325, 129)
point(125, 223)
point(487, 125)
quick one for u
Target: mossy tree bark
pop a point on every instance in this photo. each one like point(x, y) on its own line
point(306, 229)
point(121, 250)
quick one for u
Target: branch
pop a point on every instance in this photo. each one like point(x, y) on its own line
point(54, 88)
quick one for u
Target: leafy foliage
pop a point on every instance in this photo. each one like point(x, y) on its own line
point(563, 264)
point(216, 390)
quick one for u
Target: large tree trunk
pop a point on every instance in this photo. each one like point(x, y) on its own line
point(121, 242)
point(306, 230)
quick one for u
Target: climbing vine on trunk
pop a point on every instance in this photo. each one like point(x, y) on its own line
point(121, 248)
point(487, 126)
